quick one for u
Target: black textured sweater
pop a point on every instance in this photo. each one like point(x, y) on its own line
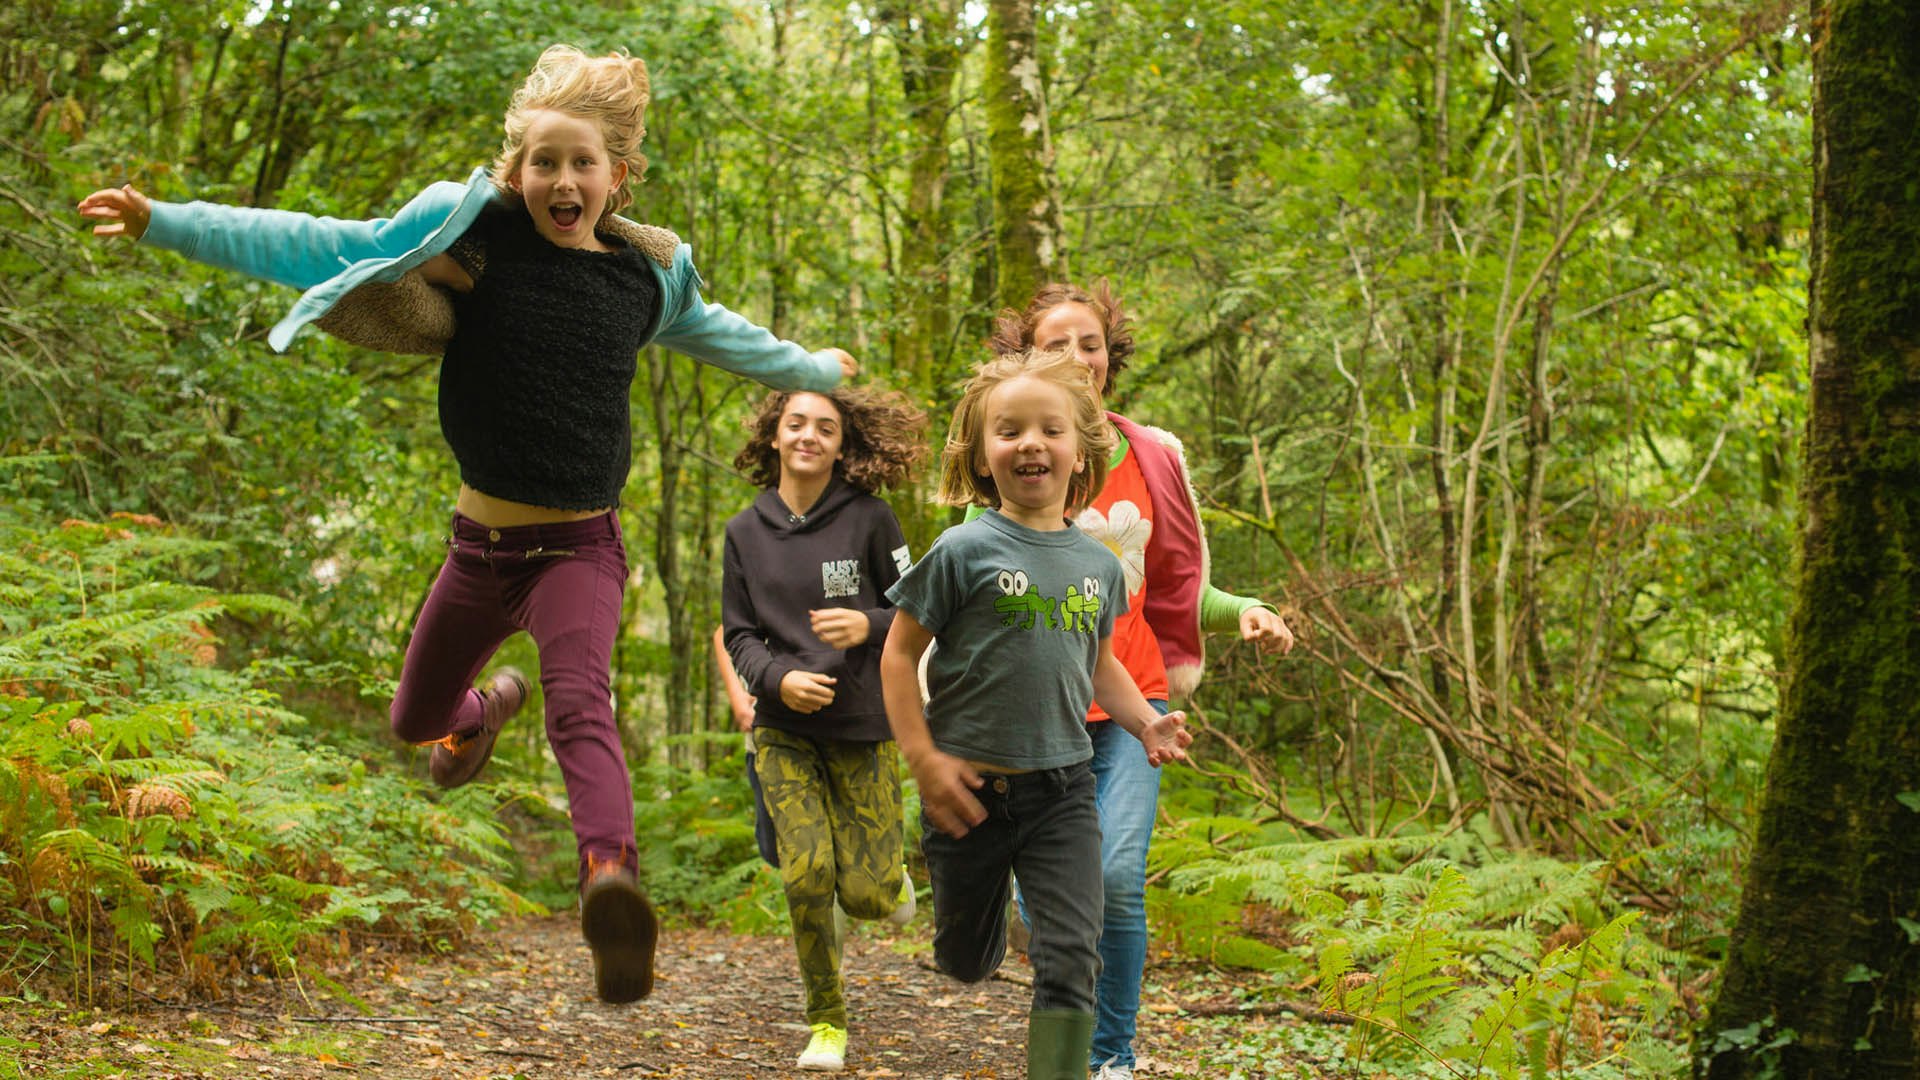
point(534, 383)
point(845, 552)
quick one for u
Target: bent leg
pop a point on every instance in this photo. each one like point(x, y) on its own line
point(971, 880)
point(459, 628)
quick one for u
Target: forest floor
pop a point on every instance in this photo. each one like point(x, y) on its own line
point(518, 1002)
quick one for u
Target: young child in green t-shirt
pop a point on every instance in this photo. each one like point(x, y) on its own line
point(1022, 604)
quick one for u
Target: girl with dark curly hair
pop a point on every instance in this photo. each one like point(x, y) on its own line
point(804, 614)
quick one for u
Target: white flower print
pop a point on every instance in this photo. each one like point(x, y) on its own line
point(1125, 533)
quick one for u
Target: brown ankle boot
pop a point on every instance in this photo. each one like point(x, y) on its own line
point(621, 929)
point(457, 759)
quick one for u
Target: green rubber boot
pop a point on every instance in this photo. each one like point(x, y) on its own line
point(1058, 1042)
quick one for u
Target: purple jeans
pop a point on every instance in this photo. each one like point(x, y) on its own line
point(560, 583)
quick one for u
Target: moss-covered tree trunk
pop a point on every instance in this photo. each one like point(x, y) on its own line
point(1026, 213)
point(927, 35)
point(1823, 976)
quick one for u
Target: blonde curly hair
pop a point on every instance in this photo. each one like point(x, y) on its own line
point(961, 463)
point(611, 91)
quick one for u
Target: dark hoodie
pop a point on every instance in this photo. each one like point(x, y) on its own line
point(845, 552)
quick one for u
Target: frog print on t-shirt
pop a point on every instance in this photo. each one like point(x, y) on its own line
point(1021, 606)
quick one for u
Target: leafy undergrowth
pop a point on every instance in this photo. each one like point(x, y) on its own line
point(1440, 954)
point(163, 817)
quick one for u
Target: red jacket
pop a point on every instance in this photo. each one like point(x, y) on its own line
point(1177, 563)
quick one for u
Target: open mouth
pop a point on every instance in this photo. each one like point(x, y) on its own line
point(1031, 472)
point(565, 215)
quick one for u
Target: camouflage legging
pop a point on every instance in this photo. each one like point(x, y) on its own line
point(836, 811)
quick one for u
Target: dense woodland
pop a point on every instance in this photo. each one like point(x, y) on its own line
point(1485, 325)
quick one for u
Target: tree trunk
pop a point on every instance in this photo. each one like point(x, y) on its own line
point(926, 34)
point(927, 37)
point(1822, 976)
point(1434, 187)
point(1026, 213)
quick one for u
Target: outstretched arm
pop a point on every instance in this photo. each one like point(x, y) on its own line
point(1165, 737)
point(712, 334)
point(282, 246)
point(946, 782)
point(120, 211)
point(1254, 619)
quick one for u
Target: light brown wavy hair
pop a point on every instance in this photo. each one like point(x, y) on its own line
point(961, 482)
point(611, 91)
point(1013, 330)
point(883, 436)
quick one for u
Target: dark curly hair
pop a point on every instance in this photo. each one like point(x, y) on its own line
point(1013, 330)
point(883, 436)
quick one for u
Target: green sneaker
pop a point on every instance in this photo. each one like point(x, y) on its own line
point(826, 1051)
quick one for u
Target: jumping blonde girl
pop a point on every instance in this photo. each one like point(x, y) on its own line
point(537, 297)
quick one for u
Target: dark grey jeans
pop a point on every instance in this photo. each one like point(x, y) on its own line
point(1042, 826)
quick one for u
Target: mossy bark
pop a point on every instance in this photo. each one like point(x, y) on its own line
point(927, 35)
point(1822, 980)
point(1026, 213)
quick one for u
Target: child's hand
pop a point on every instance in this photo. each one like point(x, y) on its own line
point(125, 211)
point(806, 691)
point(842, 628)
point(742, 708)
point(1166, 738)
point(947, 785)
point(1270, 630)
point(849, 367)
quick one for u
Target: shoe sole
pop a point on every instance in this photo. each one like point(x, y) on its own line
point(820, 1067)
point(621, 929)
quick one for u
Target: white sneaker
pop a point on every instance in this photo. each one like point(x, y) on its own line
point(902, 914)
point(1110, 1071)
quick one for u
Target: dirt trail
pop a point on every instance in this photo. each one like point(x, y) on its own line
point(518, 1002)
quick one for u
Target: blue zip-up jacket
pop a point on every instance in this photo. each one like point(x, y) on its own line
point(331, 258)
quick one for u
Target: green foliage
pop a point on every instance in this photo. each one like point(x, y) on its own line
point(1447, 954)
point(697, 853)
point(160, 811)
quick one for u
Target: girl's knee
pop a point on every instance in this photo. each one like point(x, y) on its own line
point(971, 968)
point(806, 875)
point(413, 724)
point(866, 897)
point(572, 706)
point(1122, 887)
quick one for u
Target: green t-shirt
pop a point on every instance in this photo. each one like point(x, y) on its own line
point(1017, 617)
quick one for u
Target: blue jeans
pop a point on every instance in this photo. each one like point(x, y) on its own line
point(1127, 795)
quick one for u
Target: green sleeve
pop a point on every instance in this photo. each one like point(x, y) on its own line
point(1221, 610)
